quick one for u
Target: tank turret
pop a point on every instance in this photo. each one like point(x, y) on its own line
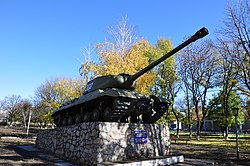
point(126, 81)
point(112, 99)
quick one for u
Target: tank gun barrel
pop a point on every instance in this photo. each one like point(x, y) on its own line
point(198, 35)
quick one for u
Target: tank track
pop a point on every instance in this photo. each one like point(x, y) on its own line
point(159, 111)
point(143, 105)
point(120, 108)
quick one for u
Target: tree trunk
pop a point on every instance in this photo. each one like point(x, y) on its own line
point(178, 129)
point(190, 130)
point(189, 117)
point(189, 123)
point(226, 133)
point(198, 130)
point(24, 119)
point(11, 119)
point(177, 119)
point(198, 121)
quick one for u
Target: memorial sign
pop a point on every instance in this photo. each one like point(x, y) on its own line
point(140, 136)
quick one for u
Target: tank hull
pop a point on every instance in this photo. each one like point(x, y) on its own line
point(111, 105)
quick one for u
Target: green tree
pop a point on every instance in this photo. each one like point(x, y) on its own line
point(227, 77)
point(171, 116)
point(166, 76)
point(167, 83)
point(247, 110)
point(224, 116)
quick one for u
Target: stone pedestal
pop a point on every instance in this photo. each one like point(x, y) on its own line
point(95, 142)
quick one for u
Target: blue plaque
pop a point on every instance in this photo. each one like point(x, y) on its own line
point(140, 136)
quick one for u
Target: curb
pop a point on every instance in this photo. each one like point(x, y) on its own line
point(152, 162)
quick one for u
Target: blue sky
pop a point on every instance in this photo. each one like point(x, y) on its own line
point(41, 39)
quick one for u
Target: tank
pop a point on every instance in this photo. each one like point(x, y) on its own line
point(111, 98)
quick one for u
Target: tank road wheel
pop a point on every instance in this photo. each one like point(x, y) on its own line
point(146, 117)
point(95, 115)
point(124, 119)
point(64, 121)
point(107, 114)
point(78, 119)
point(133, 119)
point(86, 117)
point(57, 120)
point(70, 120)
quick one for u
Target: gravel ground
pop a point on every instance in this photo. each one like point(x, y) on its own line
point(13, 141)
point(204, 155)
point(10, 152)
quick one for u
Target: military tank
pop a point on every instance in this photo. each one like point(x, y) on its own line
point(111, 98)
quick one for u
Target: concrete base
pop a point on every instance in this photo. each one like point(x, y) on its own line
point(150, 162)
point(93, 143)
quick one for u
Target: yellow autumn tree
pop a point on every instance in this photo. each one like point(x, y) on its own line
point(68, 89)
point(53, 93)
point(122, 53)
point(112, 63)
point(136, 60)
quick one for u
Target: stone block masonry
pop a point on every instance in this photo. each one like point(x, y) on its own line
point(96, 142)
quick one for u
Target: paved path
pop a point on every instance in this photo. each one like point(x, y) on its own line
point(32, 151)
point(20, 151)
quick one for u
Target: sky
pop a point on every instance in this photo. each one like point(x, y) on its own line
point(42, 39)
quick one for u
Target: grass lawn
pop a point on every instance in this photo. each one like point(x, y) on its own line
point(215, 140)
